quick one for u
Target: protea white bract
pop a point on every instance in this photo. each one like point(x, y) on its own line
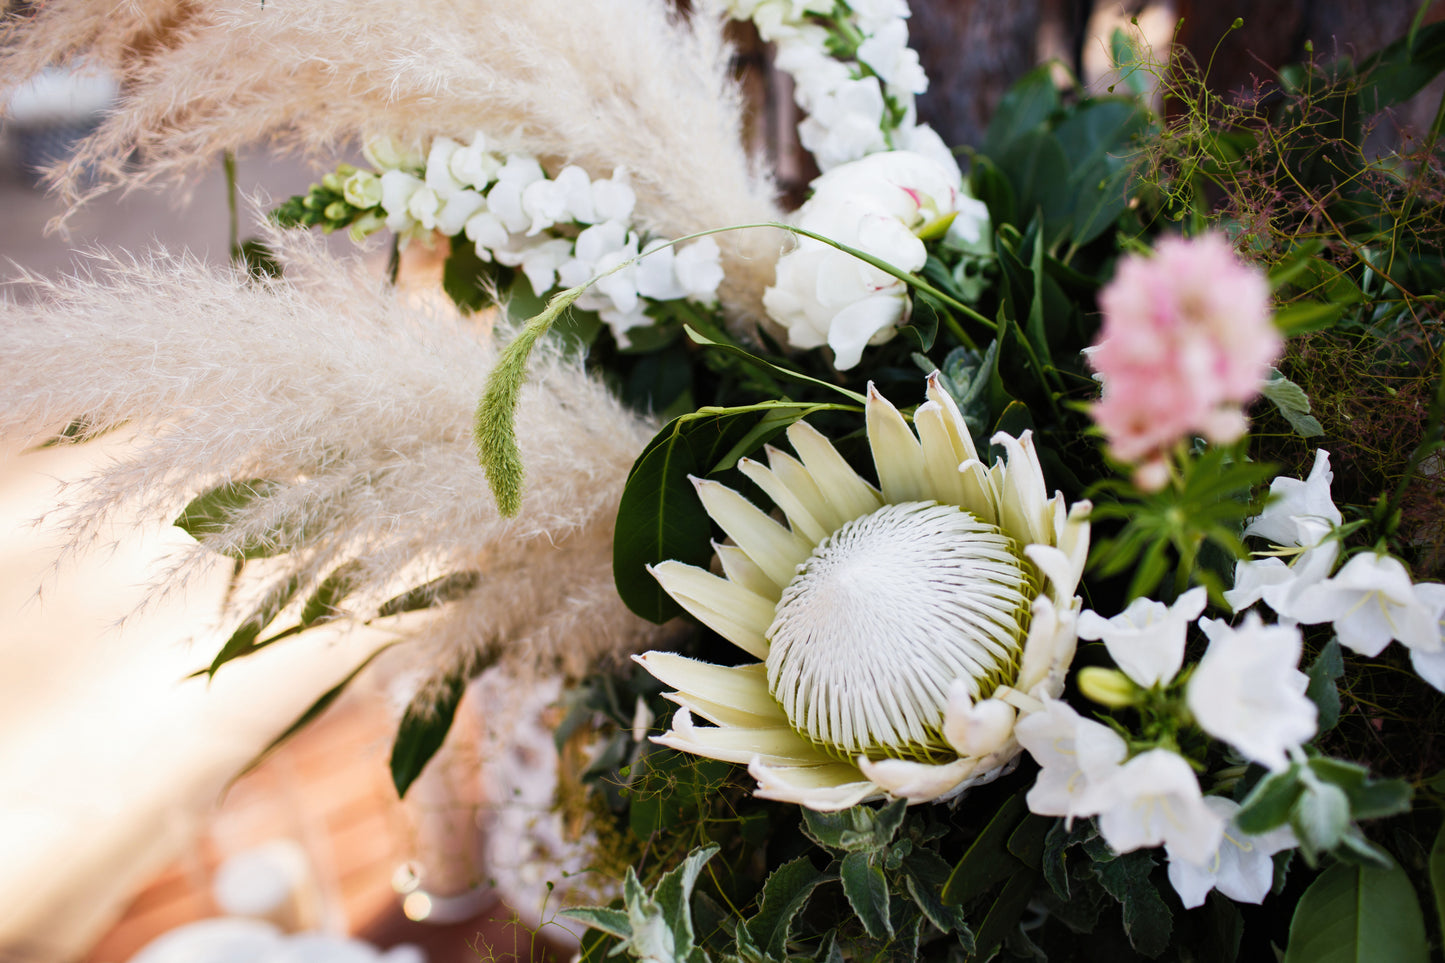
point(900, 632)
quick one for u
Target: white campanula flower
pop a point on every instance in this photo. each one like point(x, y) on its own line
point(1242, 868)
point(880, 205)
point(1146, 640)
point(1153, 800)
point(1429, 661)
point(1300, 520)
point(1248, 690)
point(1371, 600)
point(869, 607)
point(1075, 755)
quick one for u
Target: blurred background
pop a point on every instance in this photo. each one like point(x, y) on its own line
point(116, 822)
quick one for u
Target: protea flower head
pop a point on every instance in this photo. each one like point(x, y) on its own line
point(899, 632)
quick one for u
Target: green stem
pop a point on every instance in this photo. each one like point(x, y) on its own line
point(228, 161)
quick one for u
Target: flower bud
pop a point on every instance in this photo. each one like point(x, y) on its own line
point(1108, 687)
point(362, 189)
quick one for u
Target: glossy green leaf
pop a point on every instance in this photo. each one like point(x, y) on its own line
point(210, 514)
point(987, 860)
point(1402, 69)
point(867, 893)
point(439, 591)
point(1099, 142)
point(1039, 171)
point(424, 726)
point(1358, 914)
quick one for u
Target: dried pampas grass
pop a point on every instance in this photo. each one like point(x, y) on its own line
point(607, 84)
point(360, 406)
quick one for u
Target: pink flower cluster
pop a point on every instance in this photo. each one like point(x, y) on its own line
point(1187, 341)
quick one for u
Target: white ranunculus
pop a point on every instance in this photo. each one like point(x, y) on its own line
point(1146, 640)
point(878, 204)
point(1154, 799)
point(1242, 868)
point(1248, 690)
point(1371, 600)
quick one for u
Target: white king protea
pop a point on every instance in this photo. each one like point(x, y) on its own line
point(900, 633)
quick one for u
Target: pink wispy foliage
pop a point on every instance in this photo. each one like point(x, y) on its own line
point(1187, 341)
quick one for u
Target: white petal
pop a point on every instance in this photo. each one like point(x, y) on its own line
point(976, 729)
point(738, 615)
point(917, 781)
point(897, 456)
point(777, 551)
point(777, 746)
point(744, 571)
point(1023, 499)
point(743, 686)
point(804, 487)
point(822, 788)
point(796, 510)
point(721, 714)
point(953, 419)
point(850, 496)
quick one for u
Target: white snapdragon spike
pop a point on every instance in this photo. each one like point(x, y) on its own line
point(898, 630)
point(505, 197)
point(1248, 690)
point(475, 165)
point(539, 260)
point(1371, 600)
point(880, 205)
point(845, 123)
point(1429, 661)
point(1242, 868)
point(1153, 800)
point(887, 54)
point(397, 190)
point(1146, 640)
point(1075, 755)
point(439, 175)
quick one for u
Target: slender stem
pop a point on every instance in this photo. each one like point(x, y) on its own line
point(228, 160)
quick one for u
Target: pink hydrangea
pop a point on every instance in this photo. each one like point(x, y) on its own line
point(1187, 341)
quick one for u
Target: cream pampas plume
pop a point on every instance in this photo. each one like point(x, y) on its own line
point(353, 412)
point(606, 84)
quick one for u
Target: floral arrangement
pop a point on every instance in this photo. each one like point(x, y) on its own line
point(1008, 561)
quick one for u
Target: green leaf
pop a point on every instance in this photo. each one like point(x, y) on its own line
point(1327, 667)
point(785, 894)
point(423, 729)
point(1305, 316)
point(610, 921)
point(987, 860)
point(1039, 171)
point(1026, 106)
point(1003, 915)
point(321, 606)
point(438, 591)
point(243, 641)
point(1320, 818)
point(1437, 875)
point(1292, 403)
point(1147, 920)
point(1402, 69)
point(469, 281)
point(1368, 798)
point(1098, 141)
point(786, 373)
point(210, 514)
point(312, 713)
point(1355, 914)
point(867, 893)
point(859, 829)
